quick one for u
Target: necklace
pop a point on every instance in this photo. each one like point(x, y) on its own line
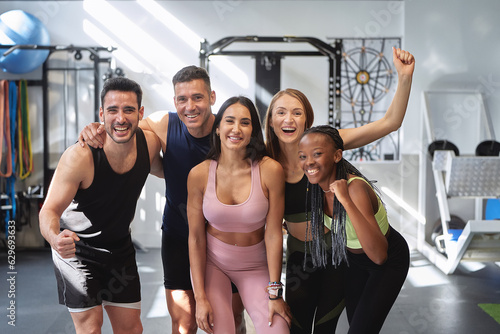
point(325, 191)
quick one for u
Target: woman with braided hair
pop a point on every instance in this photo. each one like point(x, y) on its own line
point(316, 294)
point(344, 201)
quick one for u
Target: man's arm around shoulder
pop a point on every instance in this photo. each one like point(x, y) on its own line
point(157, 122)
point(155, 158)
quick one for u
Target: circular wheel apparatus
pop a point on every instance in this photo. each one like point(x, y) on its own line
point(366, 77)
point(362, 77)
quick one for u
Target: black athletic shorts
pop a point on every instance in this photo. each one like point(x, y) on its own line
point(96, 274)
point(175, 258)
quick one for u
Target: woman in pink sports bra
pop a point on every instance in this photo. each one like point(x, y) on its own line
point(235, 210)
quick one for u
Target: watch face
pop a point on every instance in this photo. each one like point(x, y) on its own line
point(274, 291)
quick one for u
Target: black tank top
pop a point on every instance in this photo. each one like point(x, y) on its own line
point(295, 201)
point(102, 213)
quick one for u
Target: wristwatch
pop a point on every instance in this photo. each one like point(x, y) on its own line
point(275, 293)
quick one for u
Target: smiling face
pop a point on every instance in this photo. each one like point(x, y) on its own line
point(318, 158)
point(121, 114)
point(288, 119)
point(235, 128)
point(193, 103)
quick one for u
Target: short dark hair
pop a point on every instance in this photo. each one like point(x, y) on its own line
point(190, 73)
point(256, 149)
point(123, 85)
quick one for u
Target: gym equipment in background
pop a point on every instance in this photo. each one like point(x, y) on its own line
point(456, 226)
point(268, 64)
point(492, 210)
point(65, 97)
point(442, 145)
point(473, 175)
point(359, 79)
point(368, 83)
point(18, 27)
point(488, 148)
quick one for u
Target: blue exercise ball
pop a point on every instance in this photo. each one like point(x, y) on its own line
point(18, 27)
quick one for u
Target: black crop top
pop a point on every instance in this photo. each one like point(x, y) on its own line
point(295, 201)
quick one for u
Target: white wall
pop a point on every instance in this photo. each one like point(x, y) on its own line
point(151, 48)
point(456, 46)
point(453, 41)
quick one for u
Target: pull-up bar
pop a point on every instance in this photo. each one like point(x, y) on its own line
point(268, 78)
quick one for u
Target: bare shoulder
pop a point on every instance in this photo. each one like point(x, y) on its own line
point(155, 120)
point(272, 174)
point(358, 187)
point(77, 156)
point(269, 165)
point(152, 140)
point(76, 164)
point(199, 173)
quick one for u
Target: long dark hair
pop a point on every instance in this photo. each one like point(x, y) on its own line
point(256, 149)
point(315, 194)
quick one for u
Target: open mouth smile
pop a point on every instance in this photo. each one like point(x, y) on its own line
point(312, 171)
point(288, 130)
point(120, 130)
point(192, 116)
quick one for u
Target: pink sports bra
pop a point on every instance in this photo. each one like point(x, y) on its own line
point(244, 217)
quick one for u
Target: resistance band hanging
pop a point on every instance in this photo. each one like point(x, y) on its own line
point(25, 154)
point(8, 130)
point(13, 122)
point(11, 181)
point(15, 133)
point(5, 128)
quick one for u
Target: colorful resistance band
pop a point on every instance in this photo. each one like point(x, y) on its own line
point(11, 181)
point(25, 154)
point(5, 128)
point(13, 121)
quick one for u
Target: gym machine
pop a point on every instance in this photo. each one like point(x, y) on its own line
point(464, 165)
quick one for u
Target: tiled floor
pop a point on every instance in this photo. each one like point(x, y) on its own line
point(430, 301)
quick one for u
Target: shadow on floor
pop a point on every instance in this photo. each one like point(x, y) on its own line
point(430, 302)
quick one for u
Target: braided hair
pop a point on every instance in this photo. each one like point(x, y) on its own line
point(315, 218)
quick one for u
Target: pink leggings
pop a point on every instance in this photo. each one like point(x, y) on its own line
point(247, 268)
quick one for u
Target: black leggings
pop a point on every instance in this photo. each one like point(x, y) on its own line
point(372, 289)
point(314, 293)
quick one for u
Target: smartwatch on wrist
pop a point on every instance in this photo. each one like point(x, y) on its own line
point(275, 293)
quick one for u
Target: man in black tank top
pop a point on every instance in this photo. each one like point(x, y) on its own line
point(184, 137)
point(88, 210)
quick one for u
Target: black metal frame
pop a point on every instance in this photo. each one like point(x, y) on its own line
point(333, 53)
